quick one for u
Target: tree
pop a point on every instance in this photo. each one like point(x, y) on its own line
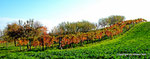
point(32, 31)
point(85, 26)
point(46, 40)
point(73, 27)
point(54, 31)
point(37, 24)
point(115, 19)
point(5, 37)
point(12, 31)
point(29, 30)
point(102, 22)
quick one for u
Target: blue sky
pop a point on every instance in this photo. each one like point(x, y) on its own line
point(34, 8)
point(52, 12)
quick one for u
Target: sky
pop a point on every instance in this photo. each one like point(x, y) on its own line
point(52, 12)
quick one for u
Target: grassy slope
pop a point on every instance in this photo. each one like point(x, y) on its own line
point(136, 40)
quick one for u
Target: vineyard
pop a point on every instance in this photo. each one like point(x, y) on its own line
point(122, 37)
point(70, 40)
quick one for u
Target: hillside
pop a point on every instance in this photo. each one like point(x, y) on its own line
point(135, 41)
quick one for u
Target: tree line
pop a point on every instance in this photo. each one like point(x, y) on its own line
point(66, 34)
point(85, 26)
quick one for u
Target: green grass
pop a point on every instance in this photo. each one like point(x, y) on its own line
point(134, 41)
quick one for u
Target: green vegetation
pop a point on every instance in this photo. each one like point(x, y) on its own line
point(66, 35)
point(134, 41)
point(110, 20)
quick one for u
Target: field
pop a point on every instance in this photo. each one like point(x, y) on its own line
point(133, 44)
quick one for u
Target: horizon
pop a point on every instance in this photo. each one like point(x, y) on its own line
point(51, 13)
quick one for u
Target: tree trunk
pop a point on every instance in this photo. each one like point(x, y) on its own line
point(52, 46)
point(41, 47)
point(15, 42)
point(6, 45)
point(42, 44)
point(27, 46)
point(46, 46)
point(87, 41)
point(60, 43)
point(71, 45)
point(81, 43)
point(30, 44)
point(92, 41)
point(111, 37)
point(20, 47)
point(35, 47)
point(23, 47)
point(99, 39)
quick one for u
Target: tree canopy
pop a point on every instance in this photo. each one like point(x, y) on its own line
point(74, 27)
point(110, 20)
